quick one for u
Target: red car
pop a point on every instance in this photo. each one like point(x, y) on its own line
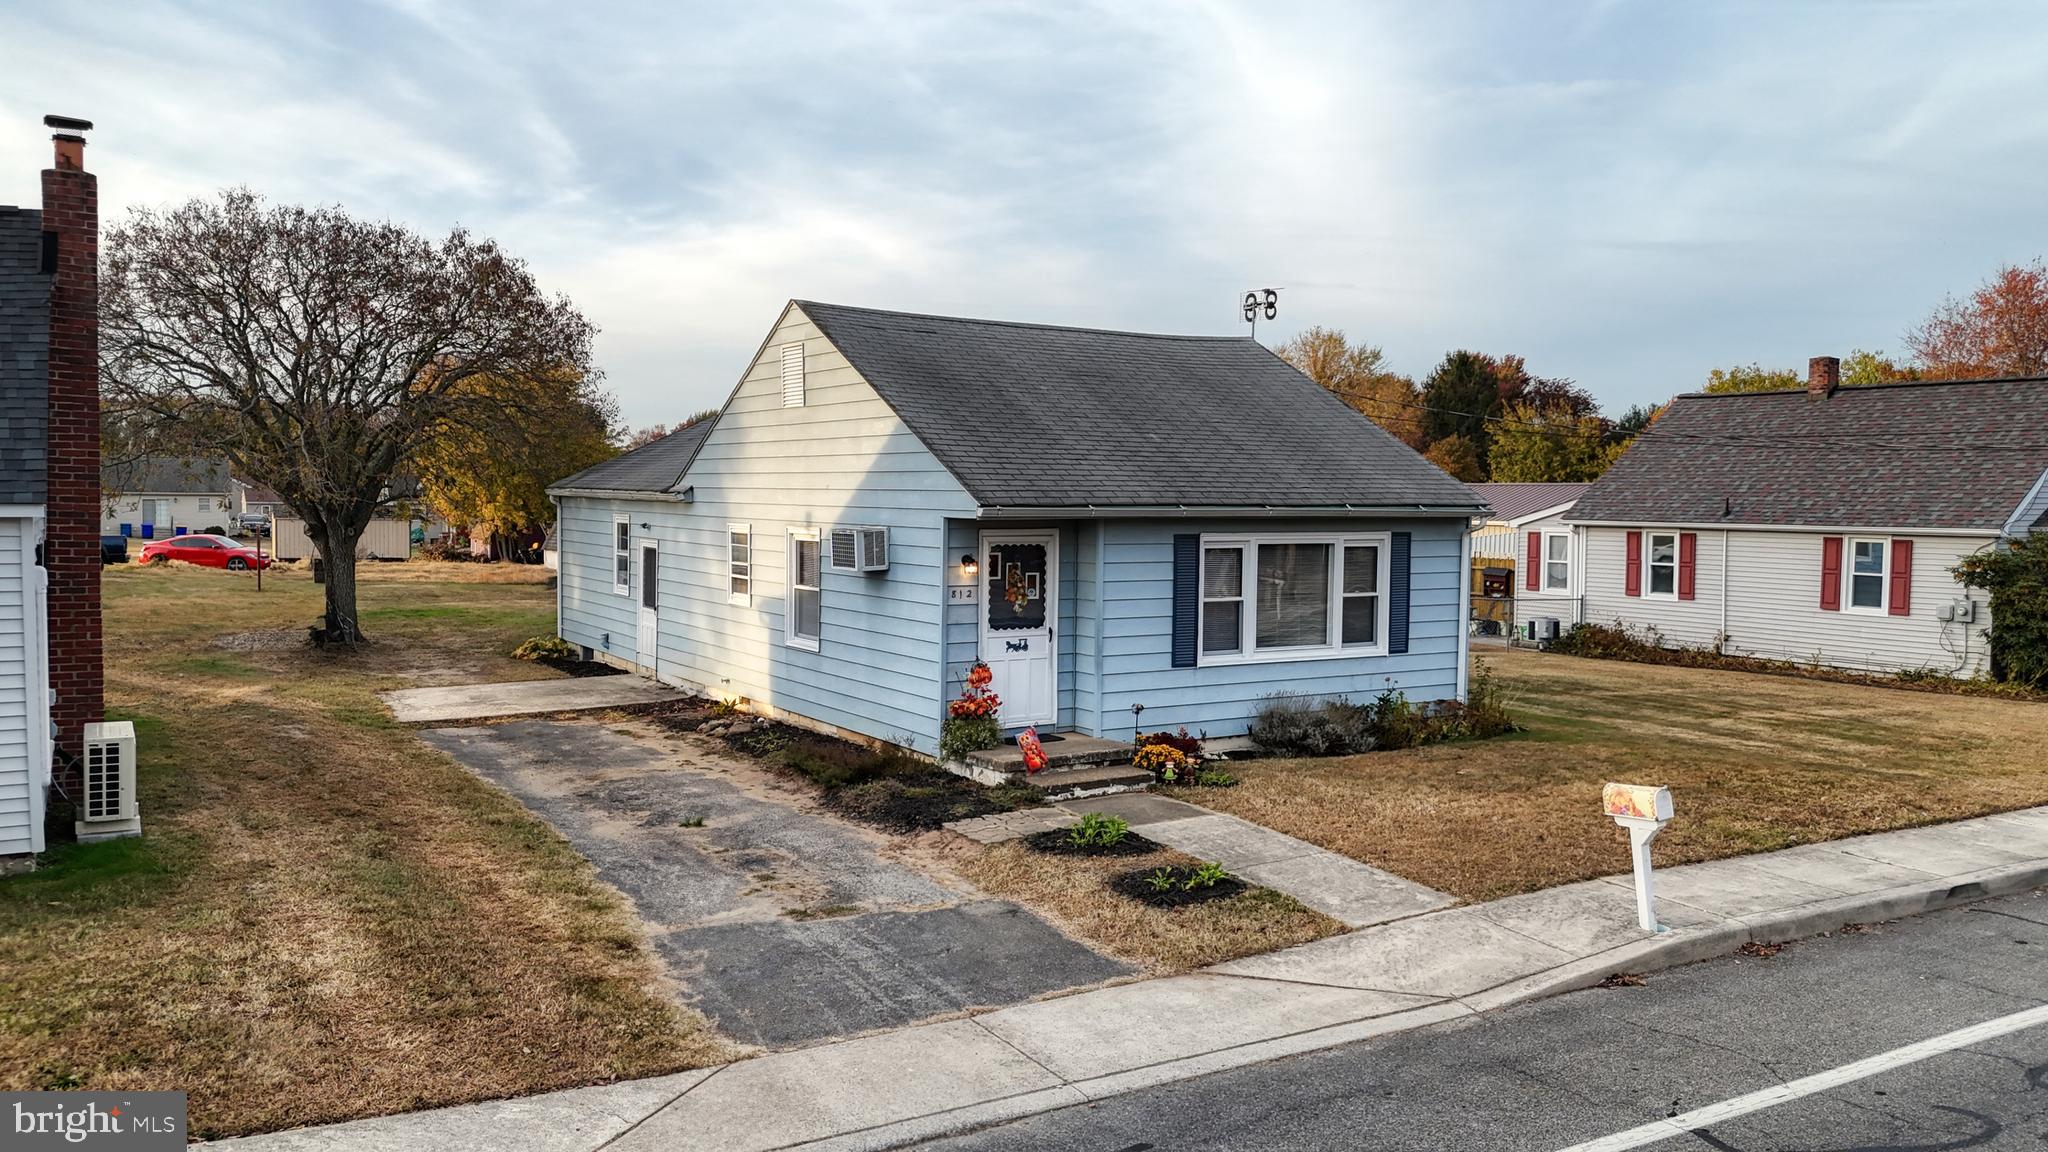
point(211, 551)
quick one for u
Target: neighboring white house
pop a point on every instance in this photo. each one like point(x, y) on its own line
point(1820, 525)
point(253, 499)
point(154, 496)
point(1527, 532)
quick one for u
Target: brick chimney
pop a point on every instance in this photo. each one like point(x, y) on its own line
point(71, 553)
point(1823, 376)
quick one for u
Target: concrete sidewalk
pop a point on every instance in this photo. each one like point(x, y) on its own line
point(898, 1087)
point(443, 705)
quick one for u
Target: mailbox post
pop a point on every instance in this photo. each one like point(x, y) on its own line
point(1643, 809)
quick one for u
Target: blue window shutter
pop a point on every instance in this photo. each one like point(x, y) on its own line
point(1397, 594)
point(1187, 598)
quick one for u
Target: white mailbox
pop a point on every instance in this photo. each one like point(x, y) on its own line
point(1643, 809)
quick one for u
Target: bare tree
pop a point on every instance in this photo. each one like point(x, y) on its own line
point(318, 352)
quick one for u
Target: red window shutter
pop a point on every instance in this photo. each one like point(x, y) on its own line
point(1688, 562)
point(1902, 578)
point(1535, 565)
point(1635, 564)
point(1831, 574)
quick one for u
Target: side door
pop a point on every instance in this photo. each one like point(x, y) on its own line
point(647, 640)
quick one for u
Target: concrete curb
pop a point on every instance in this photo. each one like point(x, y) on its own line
point(1671, 950)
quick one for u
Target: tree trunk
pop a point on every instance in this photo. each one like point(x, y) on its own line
point(335, 537)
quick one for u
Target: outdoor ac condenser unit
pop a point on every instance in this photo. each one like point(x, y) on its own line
point(106, 809)
point(860, 550)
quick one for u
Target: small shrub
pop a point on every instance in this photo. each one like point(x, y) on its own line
point(1295, 726)
point(1098, 830)
point(961, 735)
point(1207, 874)
point(546, 648)
point(1215, 778)
point(1176, 887)
point(1179, 741)
point(216, 530)
point(2016, 576)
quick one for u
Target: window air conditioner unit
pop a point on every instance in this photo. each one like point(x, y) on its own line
point(106, 810)
point(860, 550)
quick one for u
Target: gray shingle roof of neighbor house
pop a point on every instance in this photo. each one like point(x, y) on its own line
point(169, 475)
point(1952, 454)
point(653, 467)
point(1037, 416)
point(24, 357)
point(1514, 501)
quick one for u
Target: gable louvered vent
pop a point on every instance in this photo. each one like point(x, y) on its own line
point(860, 549)
point(792, 375)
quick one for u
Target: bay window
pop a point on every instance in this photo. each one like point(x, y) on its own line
point(1293, 597)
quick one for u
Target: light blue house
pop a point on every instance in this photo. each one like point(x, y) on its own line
point(1108, 519)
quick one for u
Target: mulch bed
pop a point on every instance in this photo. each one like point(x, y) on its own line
point(1058, 843)
point(579, 668)
point(1138, 886)
point(912, 802)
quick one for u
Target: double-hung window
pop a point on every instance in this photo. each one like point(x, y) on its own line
point(739, 563)
point(1867, 574)
point(622, 556)
point(803, 615)
point(1557, 562)
point(1293, 597)
point(1662, 565)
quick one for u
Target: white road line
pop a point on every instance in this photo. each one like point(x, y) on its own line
point(1792, 1090)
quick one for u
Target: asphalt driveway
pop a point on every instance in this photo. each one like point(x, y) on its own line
point(784, 925)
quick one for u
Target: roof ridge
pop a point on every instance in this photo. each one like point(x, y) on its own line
point(807, 304)
point(1801, 390)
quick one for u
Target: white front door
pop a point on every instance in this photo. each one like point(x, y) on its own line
point(647, 646)
point(1020, 608)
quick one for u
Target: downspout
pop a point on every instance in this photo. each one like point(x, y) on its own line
point(560, 552)
point(1101, 605)
point(1464, 618)
point(1725, 538)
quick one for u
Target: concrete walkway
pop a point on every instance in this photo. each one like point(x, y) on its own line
point(896, 1088)
point(1354, 894)
point(523, 698)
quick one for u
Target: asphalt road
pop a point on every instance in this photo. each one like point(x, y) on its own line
point(1580, 1068)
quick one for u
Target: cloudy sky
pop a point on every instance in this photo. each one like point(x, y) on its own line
point(1625, 193)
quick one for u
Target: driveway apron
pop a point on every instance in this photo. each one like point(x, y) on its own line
point(784, 926)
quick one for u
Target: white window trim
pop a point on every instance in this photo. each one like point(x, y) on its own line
point(1677, 561)
point(1334, 649)
point(732, 573)
point(622, 587)
point(1202, 617)
point(789, 636)
point(1571, 567)
point(1884, 576)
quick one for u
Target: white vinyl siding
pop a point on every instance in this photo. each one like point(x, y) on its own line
point(1773, 610)
point(20, 715)
point(193, 512)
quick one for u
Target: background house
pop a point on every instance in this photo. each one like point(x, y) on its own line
point(1526, 546)
point(1818, 525)
point(50, 673)
point(1111, 520)
point(253, 499)
point(154, 496)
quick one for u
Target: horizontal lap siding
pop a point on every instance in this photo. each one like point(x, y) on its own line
point(1773, 603)
point(593, 615)
point(15, 780)
point(1774, 609)
point(1223, 699)
point(842, 459)
point(1541, 603)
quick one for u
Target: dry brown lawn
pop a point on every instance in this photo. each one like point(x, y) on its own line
point(325, 919)
point(1754, 762)
point(1074, 893)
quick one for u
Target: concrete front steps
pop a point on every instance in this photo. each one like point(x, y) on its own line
point(1080, 766)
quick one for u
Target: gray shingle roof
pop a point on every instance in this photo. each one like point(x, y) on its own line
point(24, 357)
point(1514, 501)
point(1959, 454)
point(169, 475)
point(1034, 416)
point(652, 467)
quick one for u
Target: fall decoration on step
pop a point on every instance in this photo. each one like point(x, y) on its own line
point(1035, 759)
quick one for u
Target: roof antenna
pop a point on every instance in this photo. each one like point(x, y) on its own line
point(1259, 300)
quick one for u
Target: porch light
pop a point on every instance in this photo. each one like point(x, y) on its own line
point(968, 565)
